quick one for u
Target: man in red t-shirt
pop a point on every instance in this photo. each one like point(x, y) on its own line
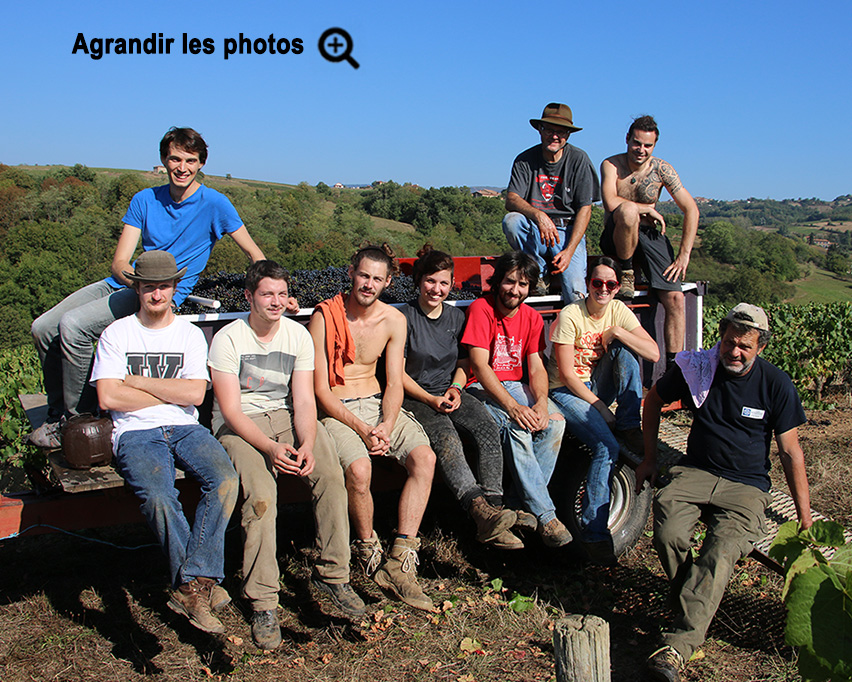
point(504, 334)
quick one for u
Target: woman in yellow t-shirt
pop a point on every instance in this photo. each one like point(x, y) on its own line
point(595, 344)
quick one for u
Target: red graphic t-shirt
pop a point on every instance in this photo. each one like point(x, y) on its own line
point(509, 340)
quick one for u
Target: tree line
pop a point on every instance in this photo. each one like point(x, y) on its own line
point(59, 226)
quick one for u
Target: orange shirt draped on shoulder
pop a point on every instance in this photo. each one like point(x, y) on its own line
point(339, 344)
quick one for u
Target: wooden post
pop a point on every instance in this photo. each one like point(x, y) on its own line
point(581, 647)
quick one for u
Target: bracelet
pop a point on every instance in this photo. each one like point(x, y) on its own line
point(456, 386)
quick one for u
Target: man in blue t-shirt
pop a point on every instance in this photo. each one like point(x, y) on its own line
point(739, 401)
point(184, 218)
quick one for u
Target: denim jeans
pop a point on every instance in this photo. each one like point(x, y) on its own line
point(616, 377)
point(531, 456)
point(524, 235)
point(472, 418)
point(146, 459)
point(65, 338)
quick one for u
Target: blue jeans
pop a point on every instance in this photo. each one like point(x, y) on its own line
point(146, 459)
point(616, 377)
point(524, 235)
point(65, 338)
point(531, 456)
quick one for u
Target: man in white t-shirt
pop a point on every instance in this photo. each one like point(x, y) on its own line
point(265, 416)
point(150, 372)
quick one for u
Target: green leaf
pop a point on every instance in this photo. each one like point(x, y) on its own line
point(842, 563)
point(519, 603)
point(497, 584)
point(817, 621)
point(825, 533)
point(802, 563)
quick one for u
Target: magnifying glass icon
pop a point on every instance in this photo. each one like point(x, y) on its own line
point(335, 45)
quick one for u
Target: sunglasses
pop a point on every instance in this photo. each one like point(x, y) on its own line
point(610, 284)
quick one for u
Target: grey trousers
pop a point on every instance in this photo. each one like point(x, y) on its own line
point(735, 520)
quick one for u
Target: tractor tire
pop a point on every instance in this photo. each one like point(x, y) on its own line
point(628, 511)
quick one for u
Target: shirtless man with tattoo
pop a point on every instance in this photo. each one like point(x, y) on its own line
point(631, 184)
point(350, 333)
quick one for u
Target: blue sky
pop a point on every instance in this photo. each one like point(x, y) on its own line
point(752, 98)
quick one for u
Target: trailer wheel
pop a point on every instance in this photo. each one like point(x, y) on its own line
point(628, 512)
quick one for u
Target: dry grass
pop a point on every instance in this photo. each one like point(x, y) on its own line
point(71, 609)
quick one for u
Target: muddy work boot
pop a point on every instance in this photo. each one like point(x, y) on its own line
point(525, 520)
point(664, 664)
point(192, 600)
point(343, 596)
point(554, 533)
point(265, 630)
point(368, 554)
point(506, 540)
point(398, 574)
point(628, 286)
point(490, 521)
point(219, 597)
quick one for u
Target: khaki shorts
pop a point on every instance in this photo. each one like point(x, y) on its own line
point(407, 433)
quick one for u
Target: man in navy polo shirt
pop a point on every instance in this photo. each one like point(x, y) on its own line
point(739, 402)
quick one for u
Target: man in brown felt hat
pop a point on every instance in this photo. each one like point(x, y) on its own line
point(150, 372)
point(551, 191)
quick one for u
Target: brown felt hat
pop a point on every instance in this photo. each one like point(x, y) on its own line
point(556, 114)
point(155, 266)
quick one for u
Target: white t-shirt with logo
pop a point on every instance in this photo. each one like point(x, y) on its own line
point(178, 351)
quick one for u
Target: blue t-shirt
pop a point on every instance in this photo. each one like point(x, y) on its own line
point(188, 230)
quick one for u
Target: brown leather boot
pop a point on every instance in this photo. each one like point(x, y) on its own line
point(192, 600)
point(490, 521)
point(398, 574)
point(368, 554)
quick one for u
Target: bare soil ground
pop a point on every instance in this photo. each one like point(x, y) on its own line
point(75, 609)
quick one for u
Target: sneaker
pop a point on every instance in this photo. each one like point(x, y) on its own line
point(368, 554)
point(219, 597)
point(665, 665)
point(265, 630)
point(506, 540)
point(541, 288)
point(490, 521)
point(633, 439)
point(398, 574)
point(628, 285)
point(47, 436)
point(192, 600)
point(554, 533)
point(343, 596)
point(525, 520)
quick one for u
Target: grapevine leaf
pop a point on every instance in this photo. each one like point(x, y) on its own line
point(825, 533)
point(817, 622)
point(802, 563)
point(842, 563)
point(787, 545)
